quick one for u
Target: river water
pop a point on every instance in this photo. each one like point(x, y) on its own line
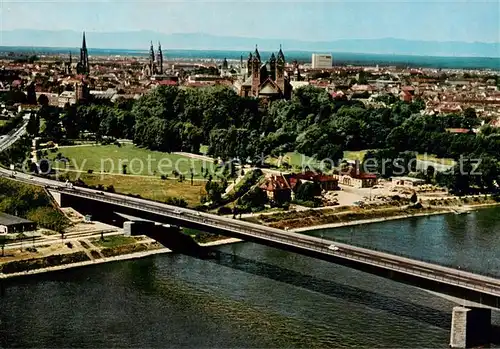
point(254, 296)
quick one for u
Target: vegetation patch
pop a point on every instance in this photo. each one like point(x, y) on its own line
point(149, 187)
point(124, 249)
point(30, 202)
point(138, 161)
point(38, 263)
point(113, 241)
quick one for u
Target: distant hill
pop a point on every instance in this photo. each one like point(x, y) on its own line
point(195, 41)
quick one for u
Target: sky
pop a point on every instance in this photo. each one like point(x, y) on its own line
point(309, 20)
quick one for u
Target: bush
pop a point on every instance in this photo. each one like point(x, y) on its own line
point(110, 188)
point(176, 202)
point(224, 210)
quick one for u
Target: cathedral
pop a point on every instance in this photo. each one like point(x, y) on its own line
point(83, 67)
point(155, 64)
point(264, 80)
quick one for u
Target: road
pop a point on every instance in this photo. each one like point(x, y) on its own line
point(7, 140)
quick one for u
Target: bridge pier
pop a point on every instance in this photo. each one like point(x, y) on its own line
point(470, 327)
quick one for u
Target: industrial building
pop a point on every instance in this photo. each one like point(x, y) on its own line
point(322, 60)
point(12, 224)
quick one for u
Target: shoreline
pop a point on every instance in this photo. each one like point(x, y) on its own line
point(384, 219)
point(365, 221)
point(128, 256)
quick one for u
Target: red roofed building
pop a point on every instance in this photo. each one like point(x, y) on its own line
point(458, 130)
point(277, 189)
point(357, 179)
point(326, 182)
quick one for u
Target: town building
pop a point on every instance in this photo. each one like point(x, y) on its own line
point(407, 181)
point(322, 60)
point(357, 179)
point(277, 188)
point(155, 64)
point(12, 224)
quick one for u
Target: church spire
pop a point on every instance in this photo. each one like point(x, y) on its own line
point(159, 59)
point(83, 66)
point(281, 56)
point(256, 54)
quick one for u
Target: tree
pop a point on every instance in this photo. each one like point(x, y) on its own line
point(3, 240)
point(414, 198)
point(214, 191)
point(308, 191)
point(429, 173)
point(33, 127)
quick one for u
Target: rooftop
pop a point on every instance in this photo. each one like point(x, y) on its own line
point(7, 219)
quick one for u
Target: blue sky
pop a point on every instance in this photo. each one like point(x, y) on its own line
point(305, 20)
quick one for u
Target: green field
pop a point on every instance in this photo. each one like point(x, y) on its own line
point(355, 155)
point(139, 161)
point(295, 160)
point(360, 154)
point(152, 188)
point(433, 158)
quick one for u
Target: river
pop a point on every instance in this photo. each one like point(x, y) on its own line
point(254, 296)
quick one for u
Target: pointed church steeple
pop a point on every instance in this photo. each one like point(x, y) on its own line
point(256, 54)
point(159, 60)
point(281, 56)
point(83, 66)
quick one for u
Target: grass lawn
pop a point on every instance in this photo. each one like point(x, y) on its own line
point(113, 241)
point(359, 155)
point(204, 149)
point(433, 158)
point(355, 155)
point(294, 159)
point(139, 161)
point(152, 188)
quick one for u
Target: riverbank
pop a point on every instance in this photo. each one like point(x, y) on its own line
point(303, 221)
point(365, 221)
point(101, 260)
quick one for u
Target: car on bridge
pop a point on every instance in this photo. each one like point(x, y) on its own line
point(333, 248)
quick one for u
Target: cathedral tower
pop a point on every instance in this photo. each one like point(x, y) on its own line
point(83, 65)
point(159, 60)
point(255, 72)
point(280, 70)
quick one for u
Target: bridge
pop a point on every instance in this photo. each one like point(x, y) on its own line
point(467, 322)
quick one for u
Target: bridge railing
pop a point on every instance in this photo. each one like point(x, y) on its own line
point(419, 258)
point(457, 278)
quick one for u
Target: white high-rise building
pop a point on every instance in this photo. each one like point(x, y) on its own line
point(322, 60)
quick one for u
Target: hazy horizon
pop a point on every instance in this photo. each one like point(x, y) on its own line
point(306, 20)
point(140, 40)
